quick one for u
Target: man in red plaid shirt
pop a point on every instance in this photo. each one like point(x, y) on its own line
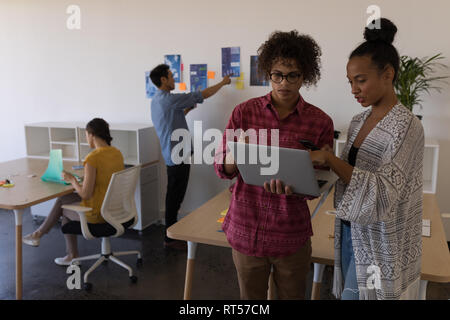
point(262, 227)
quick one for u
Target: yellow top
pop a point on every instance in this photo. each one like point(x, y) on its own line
point(106, 161)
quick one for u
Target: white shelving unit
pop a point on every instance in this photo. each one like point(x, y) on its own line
point(430, 161)
point(430, 165)
point(139, 146)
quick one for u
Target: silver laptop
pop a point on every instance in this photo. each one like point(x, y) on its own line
point(258, 164)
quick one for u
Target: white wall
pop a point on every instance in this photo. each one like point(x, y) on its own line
point(50, 73)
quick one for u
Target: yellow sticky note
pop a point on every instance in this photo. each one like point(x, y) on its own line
point(183, 86)
point(9, 185)
point(211, 75)
point(240, 85)
point(224, 212)
point(241, 77)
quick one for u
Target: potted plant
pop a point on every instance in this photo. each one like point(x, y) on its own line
point(415, 76)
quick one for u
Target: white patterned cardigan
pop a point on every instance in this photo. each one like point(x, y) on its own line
point(383, 202)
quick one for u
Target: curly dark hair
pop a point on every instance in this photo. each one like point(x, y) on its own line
point(291, 45)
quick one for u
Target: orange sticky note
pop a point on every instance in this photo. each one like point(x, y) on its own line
point(221, 220)
point(183, 86)
point(211, 74)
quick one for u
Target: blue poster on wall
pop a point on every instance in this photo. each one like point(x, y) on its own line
point(174, 62)
point(255, 78)
point(150, 88)
point(199, 80)
point(231, 61)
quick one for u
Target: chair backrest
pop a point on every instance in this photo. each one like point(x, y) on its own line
point(119, 205)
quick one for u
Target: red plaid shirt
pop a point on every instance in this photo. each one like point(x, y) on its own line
point(261, 223)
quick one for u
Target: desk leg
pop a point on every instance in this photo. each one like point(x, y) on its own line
point(423, 290)
point(18, 217)
point(317, 282)
point(192, 248)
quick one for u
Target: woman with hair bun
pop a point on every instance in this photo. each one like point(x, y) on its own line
point(378, 198)
point(99, 166)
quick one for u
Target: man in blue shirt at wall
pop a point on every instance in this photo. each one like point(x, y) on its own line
point(168, 114)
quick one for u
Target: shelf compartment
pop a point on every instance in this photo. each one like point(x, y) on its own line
point(82, 136)
point(430, 166)
point(37, 141)
point(63, 135)
point(69, 151)
point(126, 142)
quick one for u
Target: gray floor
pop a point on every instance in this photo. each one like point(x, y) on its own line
point(160, 277)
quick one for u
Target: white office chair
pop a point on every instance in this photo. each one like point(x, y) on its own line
point(119, 211)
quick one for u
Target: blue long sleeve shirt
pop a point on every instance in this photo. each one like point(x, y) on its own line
point(167, 111)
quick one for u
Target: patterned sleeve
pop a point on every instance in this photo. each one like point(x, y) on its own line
point(372, 197)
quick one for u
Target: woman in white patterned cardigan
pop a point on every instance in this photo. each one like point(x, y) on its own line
point(378, 198)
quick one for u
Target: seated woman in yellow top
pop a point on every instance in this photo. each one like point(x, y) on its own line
point(99, 166)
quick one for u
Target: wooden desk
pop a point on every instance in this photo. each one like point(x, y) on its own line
point(27, 191)
point(201, 226)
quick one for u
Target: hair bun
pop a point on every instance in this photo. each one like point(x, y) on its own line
point(385, 33)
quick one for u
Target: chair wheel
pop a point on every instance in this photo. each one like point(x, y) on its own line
point(139, 262)
point(133, 279)
point(87, 286)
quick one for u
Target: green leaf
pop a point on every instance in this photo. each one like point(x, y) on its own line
point(416, 76)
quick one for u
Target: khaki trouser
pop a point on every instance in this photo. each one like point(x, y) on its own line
point(289, 274)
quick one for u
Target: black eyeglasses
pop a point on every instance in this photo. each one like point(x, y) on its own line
point(291, 77)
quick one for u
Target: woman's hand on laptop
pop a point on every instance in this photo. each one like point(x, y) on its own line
point(278, 187)
point(68, 177)
point(320, 157)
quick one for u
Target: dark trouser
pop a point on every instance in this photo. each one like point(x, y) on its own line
point(177, 182)
point(289, 274)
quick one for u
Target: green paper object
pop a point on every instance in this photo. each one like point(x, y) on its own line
point(55, 168)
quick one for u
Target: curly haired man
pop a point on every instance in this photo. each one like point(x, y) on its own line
point(268, 229)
